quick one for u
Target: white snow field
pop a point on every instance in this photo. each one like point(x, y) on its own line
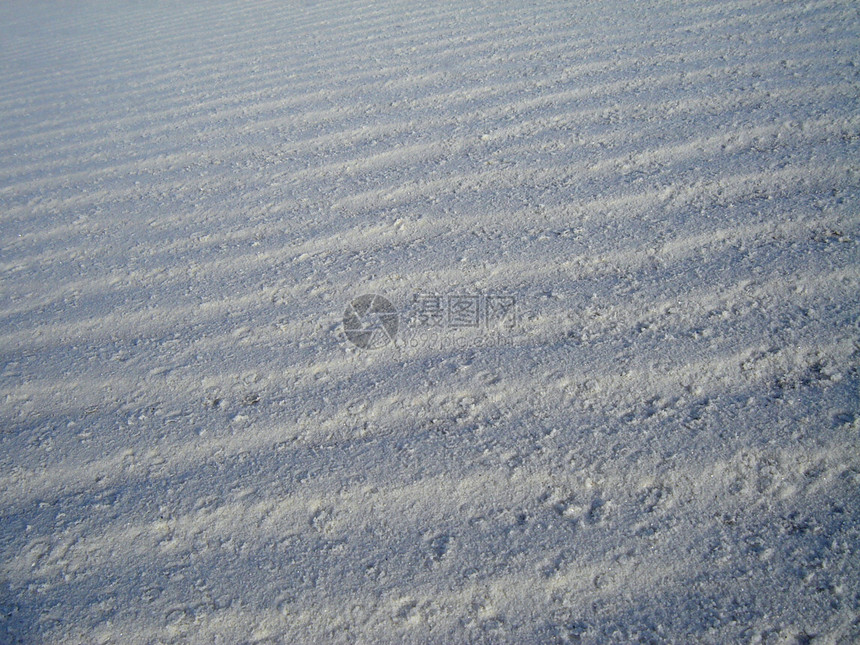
point(619, 241)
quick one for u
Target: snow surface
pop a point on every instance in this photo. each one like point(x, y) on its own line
point(663, 449)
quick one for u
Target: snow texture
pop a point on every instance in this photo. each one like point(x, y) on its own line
point(664, 446)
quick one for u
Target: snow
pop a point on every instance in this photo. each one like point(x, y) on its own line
point(662, 448)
